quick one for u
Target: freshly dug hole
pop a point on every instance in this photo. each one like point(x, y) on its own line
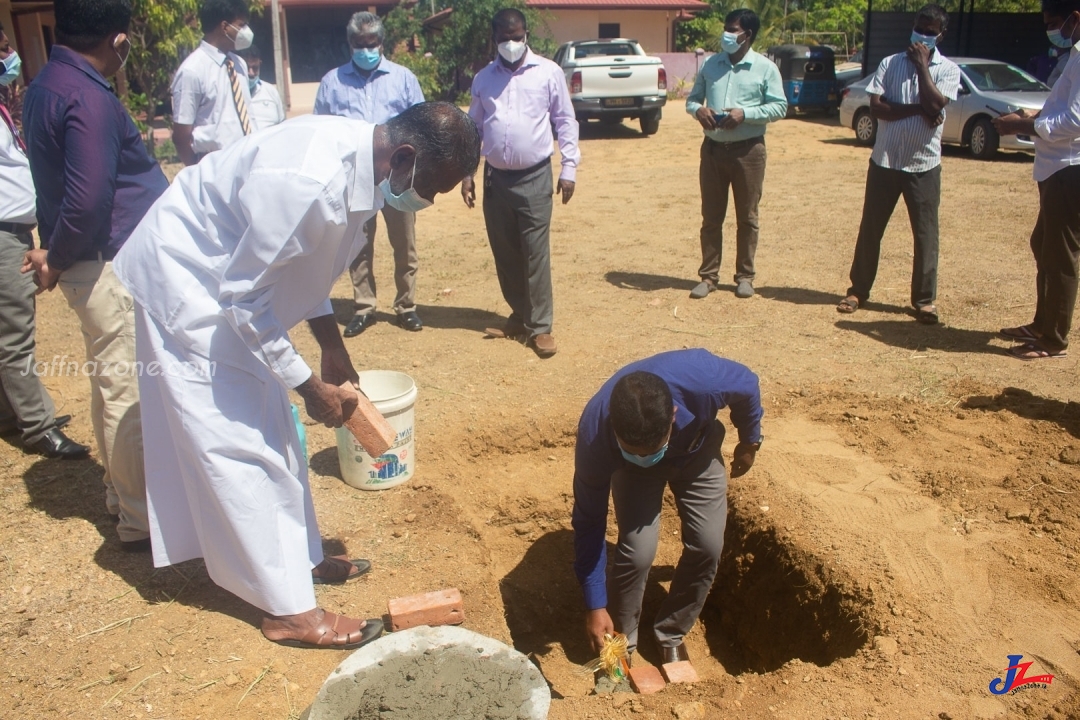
point(773, 602)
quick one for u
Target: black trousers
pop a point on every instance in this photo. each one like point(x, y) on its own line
point(1055, 242)
point(922, 195)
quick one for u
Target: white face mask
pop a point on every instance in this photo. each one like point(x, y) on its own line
point(512, 50)
point(244, 37)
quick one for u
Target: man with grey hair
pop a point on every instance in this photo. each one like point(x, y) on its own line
point(242, 248)
point(371, 88)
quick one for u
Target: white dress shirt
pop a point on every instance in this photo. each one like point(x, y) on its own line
point(1057, 142)
point(202, 96)
point(912, 144)
point(266, 109)
point(256, 235)
point(18, 204)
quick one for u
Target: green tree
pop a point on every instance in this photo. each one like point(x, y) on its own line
point(464, 45)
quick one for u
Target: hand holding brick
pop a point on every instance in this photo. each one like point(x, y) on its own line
point(442, 607)
point(368, 426)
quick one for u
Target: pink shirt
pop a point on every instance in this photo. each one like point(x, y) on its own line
point(515, 110)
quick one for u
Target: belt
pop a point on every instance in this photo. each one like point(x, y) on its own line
point(105, 255)
point(16, 228)
point(737, 143)
point(522, 171)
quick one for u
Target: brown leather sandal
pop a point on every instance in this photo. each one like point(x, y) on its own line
point(325, 636)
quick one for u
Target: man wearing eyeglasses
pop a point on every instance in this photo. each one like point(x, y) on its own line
point(654, 425)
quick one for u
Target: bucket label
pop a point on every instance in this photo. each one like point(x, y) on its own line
point(389, 466)
point(403, 438)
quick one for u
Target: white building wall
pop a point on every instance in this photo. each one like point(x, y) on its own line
point(651, 28)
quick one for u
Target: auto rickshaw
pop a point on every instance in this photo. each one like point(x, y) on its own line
point(809, 74)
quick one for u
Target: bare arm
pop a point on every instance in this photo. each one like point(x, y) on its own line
point(183, 137)
point(882, 109)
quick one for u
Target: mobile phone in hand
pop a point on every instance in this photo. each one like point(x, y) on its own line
point(719, 117)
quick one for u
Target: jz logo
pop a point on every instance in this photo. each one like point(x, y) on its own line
point(1016, 677)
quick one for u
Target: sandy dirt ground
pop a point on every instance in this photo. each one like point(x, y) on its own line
point(911, 520)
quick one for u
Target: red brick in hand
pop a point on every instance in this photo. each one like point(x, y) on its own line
point(442, 607)
point(368, 426)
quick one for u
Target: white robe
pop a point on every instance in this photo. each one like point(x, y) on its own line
point(242, 247)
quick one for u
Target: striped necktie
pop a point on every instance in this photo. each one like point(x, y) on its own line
point(238, 96)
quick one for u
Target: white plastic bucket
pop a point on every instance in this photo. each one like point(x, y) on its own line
point(394, 395)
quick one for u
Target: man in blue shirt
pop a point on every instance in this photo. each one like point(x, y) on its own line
point(94, 181)
point(653, 425)
point(369, 87)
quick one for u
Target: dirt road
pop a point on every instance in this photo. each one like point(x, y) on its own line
point(911, 521)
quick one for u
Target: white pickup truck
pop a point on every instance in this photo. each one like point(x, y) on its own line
point(611, 80)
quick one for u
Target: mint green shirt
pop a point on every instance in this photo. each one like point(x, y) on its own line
point(753, 85)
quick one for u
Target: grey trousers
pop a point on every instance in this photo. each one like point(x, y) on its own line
point(741, 167)
point(700, 490)
point(922, 195)
point(401, 230)
point(517, 212)
point(24, 403)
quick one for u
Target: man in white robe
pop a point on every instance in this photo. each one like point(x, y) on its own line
point(241, 248)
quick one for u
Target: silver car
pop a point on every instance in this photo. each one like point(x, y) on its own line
point(988, 88)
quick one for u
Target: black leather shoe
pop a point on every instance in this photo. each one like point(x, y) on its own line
point(359, 324)
point(410, 321)
point(56, 444)
point(58, 422)
point(674, 654)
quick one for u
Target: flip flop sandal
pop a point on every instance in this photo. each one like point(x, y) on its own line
point(322, 636)
point(1031, 351)
point(362, 567)
point(1022, 332)
point(847, 306)
point(927, 315)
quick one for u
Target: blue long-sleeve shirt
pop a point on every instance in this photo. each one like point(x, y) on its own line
point(701, 385)
point(93, 176)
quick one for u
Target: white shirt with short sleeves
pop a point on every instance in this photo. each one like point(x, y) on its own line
point(912, 145)
point(202, 97)
point(266, 108)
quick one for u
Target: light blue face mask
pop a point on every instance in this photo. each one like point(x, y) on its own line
point(729, 42)
point(253, 82)
point(367, 58)
point(1058, 39)
point(929, 41)
point(12, 68)
point(645, 461)
point(408, 201)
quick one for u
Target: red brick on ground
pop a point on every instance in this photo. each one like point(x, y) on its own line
point(374, 433)
point(646, 679)
point(442, 607)
point(680, 672)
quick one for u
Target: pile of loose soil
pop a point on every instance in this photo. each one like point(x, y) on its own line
point(450, 683)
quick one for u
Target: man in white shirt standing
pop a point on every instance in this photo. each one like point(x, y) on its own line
point(908, 95)
point(25, 406)
point(210, 97)
point(1055, 241)
point(371, 88)
point(267, 109)
point(239, 250)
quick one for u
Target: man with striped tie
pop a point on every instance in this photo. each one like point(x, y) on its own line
point(210, 95)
